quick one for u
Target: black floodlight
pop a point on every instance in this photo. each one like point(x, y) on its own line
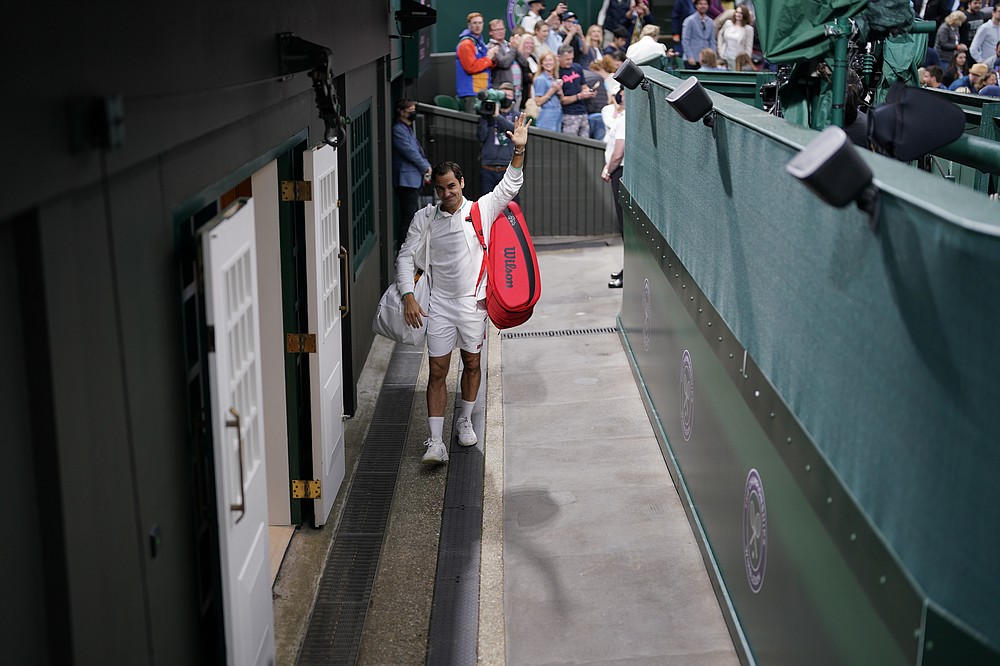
point(831, 167)
point(630, 76)
point(413, 16)
point(691, 100)
point(914, 122)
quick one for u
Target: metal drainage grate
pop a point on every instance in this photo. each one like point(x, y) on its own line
point(454, 628)
point(334, 632)
point(510, 335)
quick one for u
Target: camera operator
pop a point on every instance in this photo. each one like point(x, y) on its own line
point(496, 118)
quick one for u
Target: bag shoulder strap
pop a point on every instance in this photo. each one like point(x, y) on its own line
point(427, 242)
point(428, 218)
point(477, 225)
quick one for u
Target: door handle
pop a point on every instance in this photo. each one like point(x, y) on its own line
point(345, 281)
point(235, 423)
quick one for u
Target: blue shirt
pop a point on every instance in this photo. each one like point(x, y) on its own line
point(550, 114)
point(959, 82)
point(697, 33)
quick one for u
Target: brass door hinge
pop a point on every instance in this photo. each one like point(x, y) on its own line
point(306, 489)
point(296, 190)
point(304, 343)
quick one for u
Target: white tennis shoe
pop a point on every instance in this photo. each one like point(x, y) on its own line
point(436, 452)
point(466, 435)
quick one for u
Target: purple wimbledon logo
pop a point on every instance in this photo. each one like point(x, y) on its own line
point(647, 314)
point(754, 531)
point(687, 395)
point(516, 10)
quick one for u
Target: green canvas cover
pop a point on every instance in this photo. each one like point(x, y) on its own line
point(886, 17)
point(902, 55)
point(794, 30)
point(808, 98)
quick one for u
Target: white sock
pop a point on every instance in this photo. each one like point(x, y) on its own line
point(466, 410)
point(437, 426)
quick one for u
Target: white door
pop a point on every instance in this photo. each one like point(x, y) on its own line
point(237, 422)
point(323, 270)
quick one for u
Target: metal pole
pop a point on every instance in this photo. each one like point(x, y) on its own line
point(974, 151)
point(840, 30)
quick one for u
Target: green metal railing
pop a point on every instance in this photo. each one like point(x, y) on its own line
point(974, 160)
point(744, 86)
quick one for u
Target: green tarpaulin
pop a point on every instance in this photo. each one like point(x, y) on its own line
point(805, 32)
point(795, 30)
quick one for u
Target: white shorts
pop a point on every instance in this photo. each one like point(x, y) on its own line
point(455, 322)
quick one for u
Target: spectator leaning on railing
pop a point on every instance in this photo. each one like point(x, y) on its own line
point(614, 163)
point(648, 47)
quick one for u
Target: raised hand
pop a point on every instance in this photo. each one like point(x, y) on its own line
point(519, 137)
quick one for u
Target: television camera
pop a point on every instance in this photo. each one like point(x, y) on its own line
point(487, 100)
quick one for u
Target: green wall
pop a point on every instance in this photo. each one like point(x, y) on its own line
point(878, 346)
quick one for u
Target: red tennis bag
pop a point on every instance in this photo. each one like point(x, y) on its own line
point(513, 284)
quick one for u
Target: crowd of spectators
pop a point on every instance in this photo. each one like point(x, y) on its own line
point(966, 44)
point(707, 34)
point(560, 66)
point(558, 72)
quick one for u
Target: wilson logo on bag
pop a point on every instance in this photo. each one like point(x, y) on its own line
point(513, 283)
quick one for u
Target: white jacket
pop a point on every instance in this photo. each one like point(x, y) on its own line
point(645, 49)
point(412, 256)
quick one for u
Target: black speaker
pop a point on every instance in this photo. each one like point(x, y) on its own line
point(630, 76)
point(690, 100)
point(413, 16)
point(831, 167)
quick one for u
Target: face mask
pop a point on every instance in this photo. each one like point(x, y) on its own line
point(411, 116)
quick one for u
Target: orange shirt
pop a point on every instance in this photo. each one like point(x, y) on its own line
point(478, 68)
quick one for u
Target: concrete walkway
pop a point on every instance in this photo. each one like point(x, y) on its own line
point(600, 564)
point(587, 556)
